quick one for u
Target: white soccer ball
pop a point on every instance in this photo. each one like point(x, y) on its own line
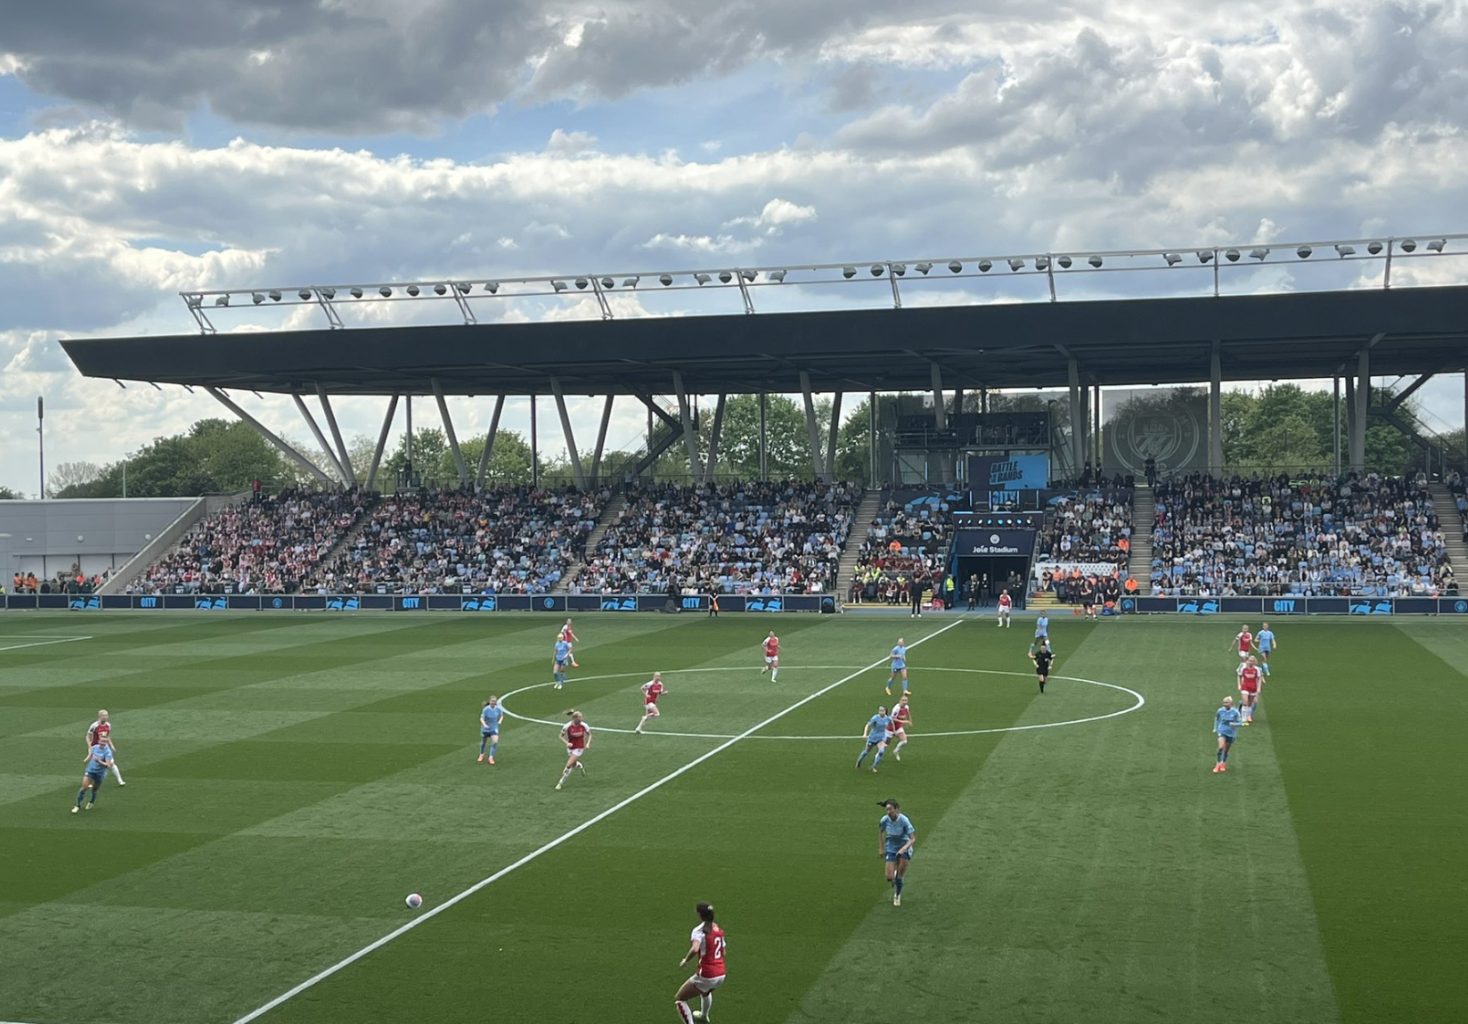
point(414, 900)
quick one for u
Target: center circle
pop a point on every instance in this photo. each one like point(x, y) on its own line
point(1138, 702)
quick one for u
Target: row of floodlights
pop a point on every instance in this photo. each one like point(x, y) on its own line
point(1042, 263)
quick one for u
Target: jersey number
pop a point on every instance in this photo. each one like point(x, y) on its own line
point(719, 947)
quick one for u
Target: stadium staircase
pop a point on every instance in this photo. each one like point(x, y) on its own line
point(608, 516)
point(861, 521)
point(1144, 517)
point(160, 545)
point(1452, 527)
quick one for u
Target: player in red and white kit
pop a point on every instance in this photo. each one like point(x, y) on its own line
point(1245, 643)
point(1006, 605)
point(901, 719)
point(771, 647)
point(569, 635)
point(1249, 681)
point(100, 731)
point(651, 691)
point(576, 735)
point(706, 943)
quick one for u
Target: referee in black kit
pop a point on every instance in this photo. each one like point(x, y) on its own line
point(1043, 658)
point(919, 584)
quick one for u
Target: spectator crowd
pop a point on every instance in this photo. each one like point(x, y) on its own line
point(1359, 536)
point(742, 538)
point(906, 546)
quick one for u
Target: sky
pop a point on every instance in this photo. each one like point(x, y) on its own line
point(161, 146)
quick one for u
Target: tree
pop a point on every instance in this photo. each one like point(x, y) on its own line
point(231, 454)
point(509, 463)
point(72, 474)
point(6, 494)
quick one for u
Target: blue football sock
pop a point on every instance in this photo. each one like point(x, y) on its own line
point(1219, 757)
point(862, 758)
point(482, 741)
point(878, 759)
point(493, 747)
point(899, 885)
point(79, 795)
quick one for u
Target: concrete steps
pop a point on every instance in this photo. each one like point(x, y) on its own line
point(609, 515)
point(1452, 526)
point(861, 521)
point(1144, 514)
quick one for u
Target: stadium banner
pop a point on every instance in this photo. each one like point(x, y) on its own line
point(1268, 606)
point(1084, 568)
point(992, 543)
point(988, 473)
point(245, 602)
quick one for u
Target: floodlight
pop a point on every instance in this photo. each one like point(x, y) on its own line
point(631, 282)
point(1064, 262)
point(439, 289)
point(559, 286)
point(778, 276)
point(877, 269)
point(463, 287)
point(223, 300)
point(923, 268)
point(848, 272)
point(1408, 245)
point(1015, 263)
point(1042, 263)
point(1172, 258)
point(725, 276)
point(1304, 252)
point(900, 269)
point(492, 287)
point(305, 294)
point(1345, 250)
point(356, 292)
point(257, 298)
point(702, 279)
point(1205, 255)
point(1436, 245)
point(1374, 248)
point(274, 296)
point(581, 282)
point(328, 293)
point(1258, 254)
point(955, 266)
point(1095, 261)
point(1232, 255)
point(385, 292)
point(666, 279)
point(193, 301)
point(984, 266)
point(748, 276)
point(413, 290)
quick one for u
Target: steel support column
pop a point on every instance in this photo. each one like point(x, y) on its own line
point(1215, 411)
point(576, 473)
point(872, 436)
point(601, 439)
point(834, 434)
point(494, 428)
point(336, 435)
point(718, 427)
point(764, 435)
point(690, 435)
point(534, 443)
point(940, 421)
point(1363, 403)
point(448, 433)
point(260, 428)
point(331, 458)
point(1335, 406)
point(408, 461)
point(392, 408)
point(1077, 421)
point(812, 428)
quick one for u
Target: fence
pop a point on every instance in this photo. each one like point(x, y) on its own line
point(1255, 607)
point(558, 603)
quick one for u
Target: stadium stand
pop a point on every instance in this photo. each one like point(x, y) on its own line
point(742, 538)
point(269, 546)
point(1361, 536)
point(504, 541)
point(901, 544)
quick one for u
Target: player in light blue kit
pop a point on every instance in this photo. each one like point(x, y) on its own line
point(898, 835)
point(1226, 728)
point(489, 727)
point(562, 659)
point(877, 728)
point(1042, 633)
point(1266, 642)
point(99, 760)
point(898, 657)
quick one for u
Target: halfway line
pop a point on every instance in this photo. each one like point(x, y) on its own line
point(43, 643)
point(440, 908)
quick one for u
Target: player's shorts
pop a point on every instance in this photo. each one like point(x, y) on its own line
point(1040, 670)
point(562, 664)
point(899, 666)
point(1245, 688)
point(1243, 654)
point(1230, 736)
point(1266, 651)
point(576, 751)
point(900, 733)
point(706, 985)
point(892, 855)
point(97, 777)
point(489, 732)
point(651, 710)
point(877, 742)
point(770, 659)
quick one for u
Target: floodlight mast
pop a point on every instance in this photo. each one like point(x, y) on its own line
point(332, 299)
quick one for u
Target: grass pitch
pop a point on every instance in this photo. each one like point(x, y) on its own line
point(291, 779)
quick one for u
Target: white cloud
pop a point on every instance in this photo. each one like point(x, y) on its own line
point(564, 143)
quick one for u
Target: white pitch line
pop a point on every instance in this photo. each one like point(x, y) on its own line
point(1140, 702)
point(316, 979)
point(43, 643)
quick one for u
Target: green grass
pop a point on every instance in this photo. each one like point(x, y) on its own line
point(292, 778)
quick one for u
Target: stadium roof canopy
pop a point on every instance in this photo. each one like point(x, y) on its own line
point(1115, 342)
point(1161, 339)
